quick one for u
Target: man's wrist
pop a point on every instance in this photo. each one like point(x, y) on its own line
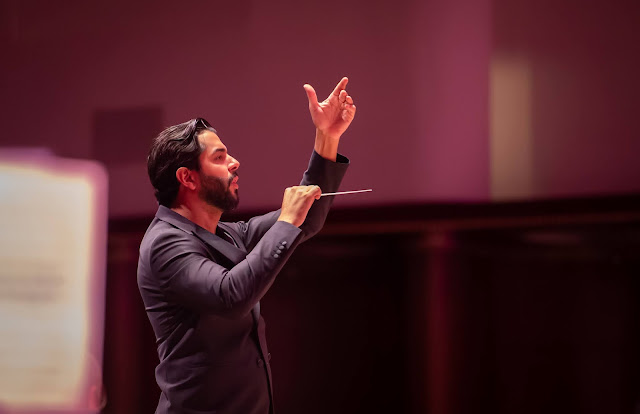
point(286, 219)
point(326, 146)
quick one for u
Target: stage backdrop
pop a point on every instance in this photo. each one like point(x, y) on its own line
point(468, 100)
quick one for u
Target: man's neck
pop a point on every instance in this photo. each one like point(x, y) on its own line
point(201, 213)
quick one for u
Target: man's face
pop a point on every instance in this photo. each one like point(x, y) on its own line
point(218, 173)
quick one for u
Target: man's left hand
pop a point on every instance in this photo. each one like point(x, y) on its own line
point(333, 115)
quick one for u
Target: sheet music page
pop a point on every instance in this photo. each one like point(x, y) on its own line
point(52, 255)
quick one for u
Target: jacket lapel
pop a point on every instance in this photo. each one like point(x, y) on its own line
point(228, 250)
point(220, 245)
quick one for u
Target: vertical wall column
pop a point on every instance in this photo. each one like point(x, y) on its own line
point(450, 79)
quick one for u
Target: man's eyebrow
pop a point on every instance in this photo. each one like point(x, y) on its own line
point(219, 149)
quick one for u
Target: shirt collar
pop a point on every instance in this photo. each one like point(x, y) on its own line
point(175, 219)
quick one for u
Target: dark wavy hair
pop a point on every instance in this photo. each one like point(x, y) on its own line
point(175, 147)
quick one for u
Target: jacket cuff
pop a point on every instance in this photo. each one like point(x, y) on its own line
point(325, 173)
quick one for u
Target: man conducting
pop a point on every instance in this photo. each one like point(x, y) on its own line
point(201, 279)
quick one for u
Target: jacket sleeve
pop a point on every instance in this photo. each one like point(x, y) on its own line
point(327, 175)
point(321, 172)
point(187, 275)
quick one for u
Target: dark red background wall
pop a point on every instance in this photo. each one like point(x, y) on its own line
point(98, 80)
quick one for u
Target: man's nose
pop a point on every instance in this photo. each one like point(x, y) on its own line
point(233, 164)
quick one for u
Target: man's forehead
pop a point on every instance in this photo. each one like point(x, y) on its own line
point(210, 141)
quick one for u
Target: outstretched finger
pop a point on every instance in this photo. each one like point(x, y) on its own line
point(311, 95)
point(340, 86)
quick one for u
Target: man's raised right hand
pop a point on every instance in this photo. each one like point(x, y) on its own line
point(296, 203)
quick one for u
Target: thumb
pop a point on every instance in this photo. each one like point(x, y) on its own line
point(311, 95)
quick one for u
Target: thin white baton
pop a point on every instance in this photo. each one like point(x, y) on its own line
point(346, 192)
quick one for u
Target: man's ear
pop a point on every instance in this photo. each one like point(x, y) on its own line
point(186, 177)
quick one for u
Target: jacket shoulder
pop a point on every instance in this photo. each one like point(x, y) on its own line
point(162, 236)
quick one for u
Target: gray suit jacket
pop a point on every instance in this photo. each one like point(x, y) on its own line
point(201, 292)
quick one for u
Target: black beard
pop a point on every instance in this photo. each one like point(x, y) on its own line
point(215, 192)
